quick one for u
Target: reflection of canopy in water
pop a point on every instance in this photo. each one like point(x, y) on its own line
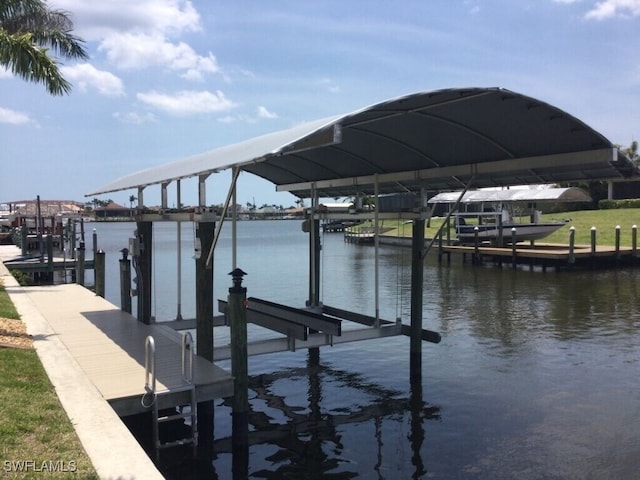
point(571, 194)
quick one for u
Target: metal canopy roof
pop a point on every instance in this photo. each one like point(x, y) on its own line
point(571, 194)
point(435, 140)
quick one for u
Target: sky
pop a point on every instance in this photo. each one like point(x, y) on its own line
point(167, 79)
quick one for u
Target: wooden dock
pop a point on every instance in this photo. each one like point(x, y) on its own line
point(109, 346)
point(547, 255)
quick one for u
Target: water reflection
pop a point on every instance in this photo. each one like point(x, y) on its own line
point(303, 437)
point(536, 376)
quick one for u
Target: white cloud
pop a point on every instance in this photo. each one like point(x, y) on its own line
point(187, 102)
point(614, 8)
point(264, 113)
point(142, 34)
point(85, 75)
point(135, 118)
point(138, 51)
point(94, 21)
point(13, 118)
point(329, 85)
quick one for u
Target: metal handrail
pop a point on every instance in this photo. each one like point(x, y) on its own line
point(150, 365)
point(187, 357)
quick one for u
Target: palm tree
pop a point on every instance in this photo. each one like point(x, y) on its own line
point(132, 198)
point(632, 153)
point(28, 30)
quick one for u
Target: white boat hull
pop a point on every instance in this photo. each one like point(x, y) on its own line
point(524, 232)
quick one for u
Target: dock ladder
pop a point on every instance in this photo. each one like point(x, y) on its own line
point(191, 405)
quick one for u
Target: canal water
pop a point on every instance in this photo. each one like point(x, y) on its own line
point(536, 376)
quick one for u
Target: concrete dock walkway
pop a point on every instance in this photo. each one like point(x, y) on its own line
point(69, 325)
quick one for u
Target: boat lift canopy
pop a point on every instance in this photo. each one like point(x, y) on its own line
point(530, 195)
point(437, 140)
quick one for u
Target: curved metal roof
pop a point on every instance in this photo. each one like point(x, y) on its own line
point(534, 195)
point(436, 140)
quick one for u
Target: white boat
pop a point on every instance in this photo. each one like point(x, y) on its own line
point(504, 232)
point(497, 225)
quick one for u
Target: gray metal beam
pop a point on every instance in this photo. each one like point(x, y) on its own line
point(315, 340)
point(280, 325)
point(309, 319)
point(573, 159)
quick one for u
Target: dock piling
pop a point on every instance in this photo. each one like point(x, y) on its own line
point(514, 256)
point(125, 281)
point(205, 231)
point(99, 272)
point(80, 264)
point(417, 280)
point(239, 369)
point(572, 245)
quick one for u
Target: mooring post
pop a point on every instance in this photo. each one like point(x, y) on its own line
point(144, 257)
point(593, 247)
point(572, 245)
point(205, 231)
point(24, 239)
point(99, 272)
point(314, 275)
point(125, 281)
point(73, 240)
point(476, 250)
point(617, 243)
point(417, 278)
point(94, 239)
point(80, 264)
point(634, 241)
point(237, 315)
point(514, 254)
point(49, 243)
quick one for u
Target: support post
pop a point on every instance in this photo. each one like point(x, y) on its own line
point(49, 244)
point(314, 263)
point(476, 244)
point(24, 239)
point(572, 245)
point(144, 270)
point(80, 264)
point(204, 328)
point(99, 272)
point(514, 250)
point(125, 281)
point(417, 277)
point(240, 371)
point(593, 247)
point(314, 272)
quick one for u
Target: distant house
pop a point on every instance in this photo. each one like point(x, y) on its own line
point(112, 211)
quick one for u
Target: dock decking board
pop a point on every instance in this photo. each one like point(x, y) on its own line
point(109, 346)
point(545, 251)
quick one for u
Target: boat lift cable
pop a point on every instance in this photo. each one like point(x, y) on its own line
point(449, 214)
point(179, 254)
point(232, 187)
point(155, 283)
point(376, 239)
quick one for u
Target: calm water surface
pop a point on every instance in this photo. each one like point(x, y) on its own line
point(535, 378)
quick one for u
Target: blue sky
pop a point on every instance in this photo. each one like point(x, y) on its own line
point(170, 78)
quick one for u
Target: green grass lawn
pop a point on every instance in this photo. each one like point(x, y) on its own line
point(605, 222)
point(37, 439)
